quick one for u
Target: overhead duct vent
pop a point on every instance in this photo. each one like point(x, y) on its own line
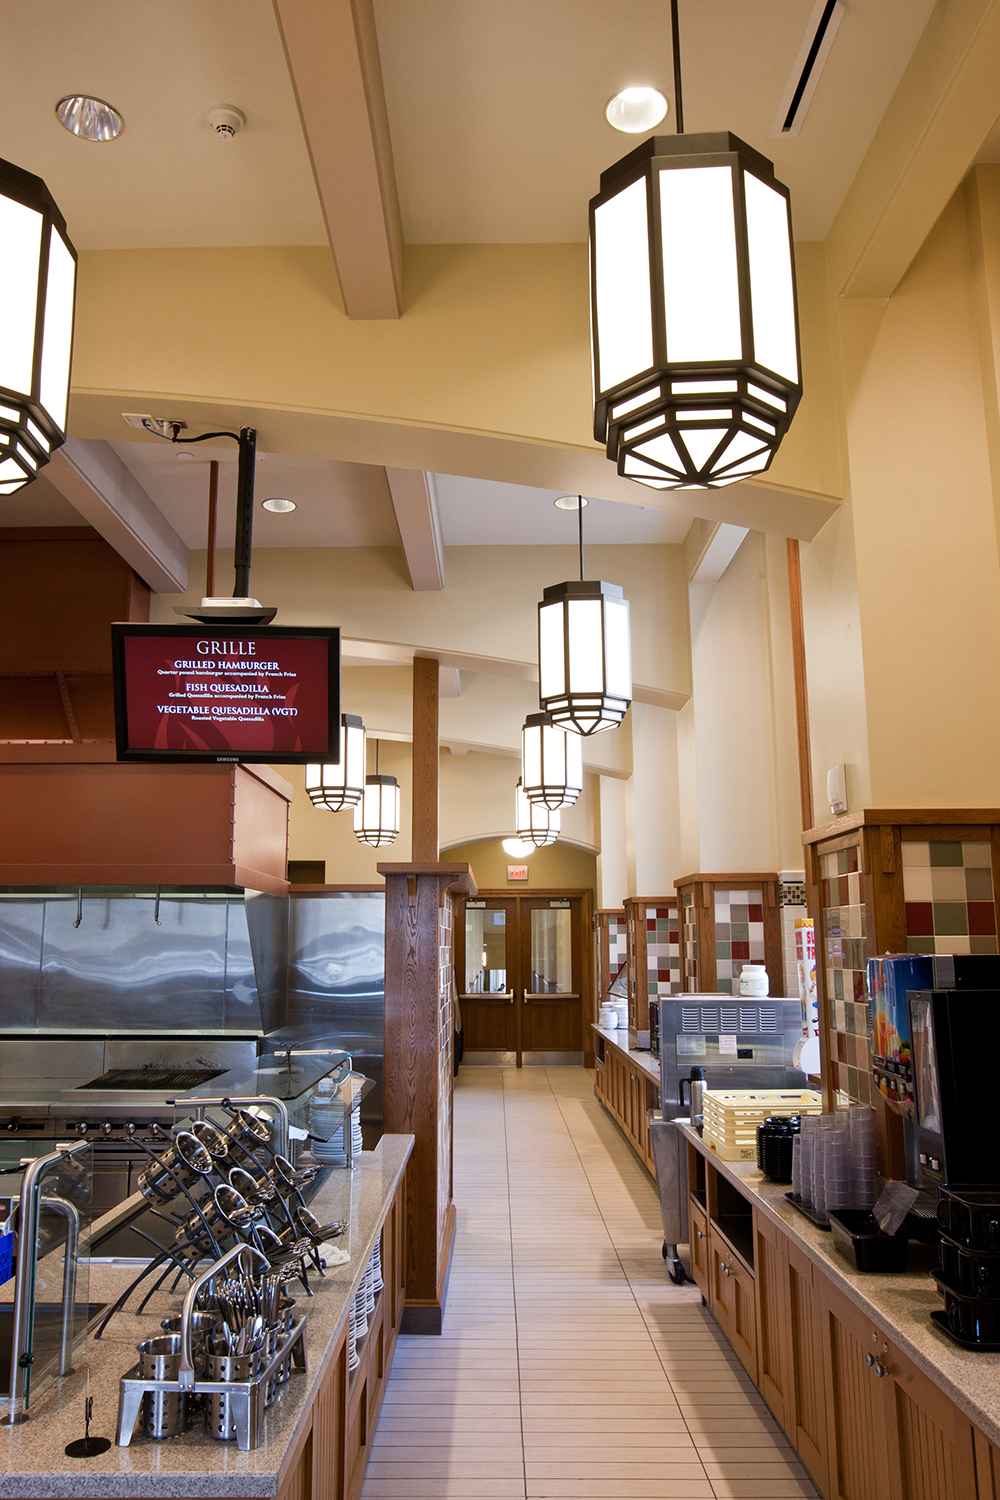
point(809, 64)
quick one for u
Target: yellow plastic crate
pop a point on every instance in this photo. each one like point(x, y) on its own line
point(730, 1119)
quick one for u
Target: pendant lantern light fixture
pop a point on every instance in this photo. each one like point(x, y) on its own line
point(697, 370)
point(551, 762)
point(584, 652)
point(533, 821)
point(37, 298)
point(376, 816)
point(335, 787)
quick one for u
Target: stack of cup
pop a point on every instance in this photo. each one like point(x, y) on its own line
point(865, 1174)
point(838, 1177)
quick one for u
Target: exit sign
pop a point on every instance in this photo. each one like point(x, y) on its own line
point(517, 872)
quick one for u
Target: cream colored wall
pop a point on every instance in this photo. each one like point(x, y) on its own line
point(477, 801)
point(488, 608)
point(838, 720)
point(487, 373)
point(654, 802)
point(744, 727)
point(925, 533)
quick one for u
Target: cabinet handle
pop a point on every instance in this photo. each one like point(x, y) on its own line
point(869, 1360)
point(880, 1369)
point(701, 1235)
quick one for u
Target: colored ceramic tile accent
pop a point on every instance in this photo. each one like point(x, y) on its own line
point(663, 951)
point(948, 891)
point(844, 954)
point(689, 943)
point(617, 944)
point(739, 936)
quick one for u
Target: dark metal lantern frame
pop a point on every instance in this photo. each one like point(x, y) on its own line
point(557, 756)
point(29, 432)
point(590, 710)
point(533, 821)
point(743, 405)
point(378, 836)
point(326, 783)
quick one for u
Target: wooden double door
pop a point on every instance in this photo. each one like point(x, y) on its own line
point(522, 966)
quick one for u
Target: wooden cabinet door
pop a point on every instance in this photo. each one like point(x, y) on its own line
point(732, 1298)
point(855, 1402)
point(931, 1451)
point(805, 1406)
point(698, 1245)
point(987, 1467)
point(773, 1332)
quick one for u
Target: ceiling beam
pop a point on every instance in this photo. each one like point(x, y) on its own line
point(940, 115)
point(415, 501)
point(91, 476)
point(332, 52)
point(710, 548)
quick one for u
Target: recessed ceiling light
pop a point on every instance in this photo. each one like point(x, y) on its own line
point(90, 119)
point(518, 848)
point(636, 110)
point(185, 457)
point(571, 502)
point(279, 506)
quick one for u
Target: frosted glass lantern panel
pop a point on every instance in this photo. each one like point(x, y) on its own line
point(619, 650)
point(551, 667)
point(701, 293)
point(20, 251)
point(772, 297)
point(621, 278)
point(58, 335)
point(586, 646)
point(551, 952)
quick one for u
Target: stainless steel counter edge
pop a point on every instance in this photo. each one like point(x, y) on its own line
point(649, 1064)
point(898, 1303)
point(33, 1465)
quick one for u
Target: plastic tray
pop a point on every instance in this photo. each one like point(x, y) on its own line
point(941, 1319)
point(731, 1119)
point(858, 1236)
point(814, 1215)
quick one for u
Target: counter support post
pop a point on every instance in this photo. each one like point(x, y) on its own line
point(419, 1068)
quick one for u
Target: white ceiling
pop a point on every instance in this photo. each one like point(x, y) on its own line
point(167, 180)
point(496, 110)
point(345, 505)
point(484, 512)
point(337, 504)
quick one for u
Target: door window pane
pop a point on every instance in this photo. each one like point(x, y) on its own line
point(485, 952)
point(551, 952)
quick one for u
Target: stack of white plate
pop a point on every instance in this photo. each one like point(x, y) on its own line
point(377, 1265)
point(331, 1152)
point(360, 1312)
point(352, 1341)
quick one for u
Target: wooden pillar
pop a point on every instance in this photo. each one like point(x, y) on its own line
point(419, 1067)
point(424, 797)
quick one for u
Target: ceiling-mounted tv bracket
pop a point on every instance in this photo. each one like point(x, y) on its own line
point(241, 609)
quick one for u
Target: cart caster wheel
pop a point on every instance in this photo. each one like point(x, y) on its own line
point(663, 1249)
point(677, 1273)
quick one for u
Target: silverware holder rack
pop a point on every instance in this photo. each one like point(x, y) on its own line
point(246, 1397)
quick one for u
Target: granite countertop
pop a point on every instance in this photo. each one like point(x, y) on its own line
point(649, 1064)
point(899, 1303)
point(33, 1465)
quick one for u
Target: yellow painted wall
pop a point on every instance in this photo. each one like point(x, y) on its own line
point(488, 608)
point(925, 533)
point(487, 373)
point(557, 868)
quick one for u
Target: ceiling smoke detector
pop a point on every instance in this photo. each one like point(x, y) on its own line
point(226, 120)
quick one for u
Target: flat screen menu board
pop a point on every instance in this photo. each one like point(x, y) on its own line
point(226, 694)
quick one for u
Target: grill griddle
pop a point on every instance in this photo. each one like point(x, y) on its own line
point(156, 1080)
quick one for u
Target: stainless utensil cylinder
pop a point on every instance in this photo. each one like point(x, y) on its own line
point(164, 1413)
point(220, 1413)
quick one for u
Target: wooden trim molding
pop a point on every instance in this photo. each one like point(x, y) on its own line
point(801, 681)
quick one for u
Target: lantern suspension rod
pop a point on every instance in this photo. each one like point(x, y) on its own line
point(675, 39)
point(579, 516)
